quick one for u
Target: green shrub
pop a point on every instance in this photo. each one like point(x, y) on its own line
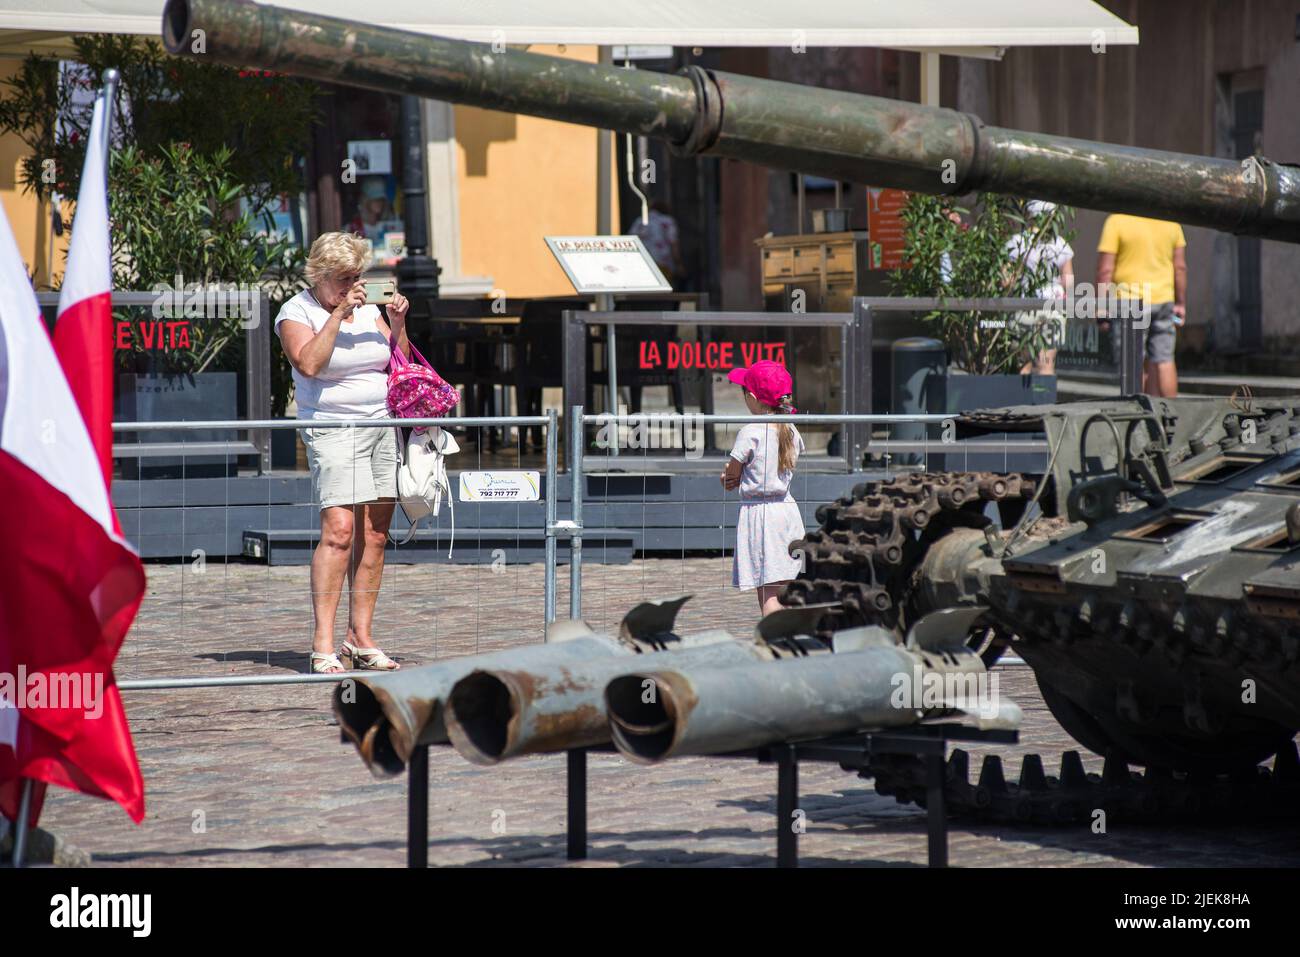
point(979, 266)
point(176, 222)
point(202, 153)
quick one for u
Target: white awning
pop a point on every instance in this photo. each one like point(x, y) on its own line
point(960, 27)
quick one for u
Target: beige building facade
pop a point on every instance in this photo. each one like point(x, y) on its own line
point(1212, 78)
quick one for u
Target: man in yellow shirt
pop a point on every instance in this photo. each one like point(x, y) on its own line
point(1147, 260)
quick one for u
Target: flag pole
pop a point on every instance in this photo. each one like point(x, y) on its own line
point(20, 826)
point(109, 80)
point(108, 86)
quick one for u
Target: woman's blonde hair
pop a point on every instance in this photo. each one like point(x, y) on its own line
point(337, 254)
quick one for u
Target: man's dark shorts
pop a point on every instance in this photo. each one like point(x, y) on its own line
point(1160, 335)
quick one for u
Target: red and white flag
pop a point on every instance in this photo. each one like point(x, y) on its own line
point(73, 584)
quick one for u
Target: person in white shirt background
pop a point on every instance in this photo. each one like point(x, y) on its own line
point(339, 348)
point(1029, 251)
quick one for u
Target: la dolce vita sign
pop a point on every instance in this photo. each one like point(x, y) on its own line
point(720, 356)
point(607, 264)
point(598, 244)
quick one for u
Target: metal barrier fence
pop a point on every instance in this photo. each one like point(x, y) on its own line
point(676, 527)
point(861, 331)
point(572, 529)
point(702, 517)
point(212, 611)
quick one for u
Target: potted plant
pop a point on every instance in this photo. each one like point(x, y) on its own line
point(957, 252)
point(201, 154)
point(177, 214)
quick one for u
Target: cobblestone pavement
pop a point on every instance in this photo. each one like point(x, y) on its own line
point(258, 777)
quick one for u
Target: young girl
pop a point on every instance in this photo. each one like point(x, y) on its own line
point(761, 466)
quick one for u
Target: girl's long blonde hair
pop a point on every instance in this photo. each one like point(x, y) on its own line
point(786, 456)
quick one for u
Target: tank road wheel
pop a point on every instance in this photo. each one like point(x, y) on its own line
point(1218, 754)
point(871, 544)
point(1077, 723)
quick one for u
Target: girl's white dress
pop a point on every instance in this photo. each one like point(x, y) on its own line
point(769, 516)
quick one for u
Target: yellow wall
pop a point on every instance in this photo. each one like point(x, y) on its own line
point(29, 220)
point(520, 179)
point(523, 178)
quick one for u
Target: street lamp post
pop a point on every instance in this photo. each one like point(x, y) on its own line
point(417, 271)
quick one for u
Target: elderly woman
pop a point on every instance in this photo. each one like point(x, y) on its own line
point(339, 348)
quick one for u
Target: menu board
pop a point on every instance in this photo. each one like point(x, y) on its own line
point(607, 264)
point(885, 227)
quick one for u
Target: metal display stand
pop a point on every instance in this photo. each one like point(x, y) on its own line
point(852, 752)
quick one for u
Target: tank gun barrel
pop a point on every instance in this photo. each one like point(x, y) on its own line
point(846, 136)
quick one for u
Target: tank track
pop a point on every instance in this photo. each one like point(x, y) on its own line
point(865, 553)
point(866, 556)
point(1073, 797)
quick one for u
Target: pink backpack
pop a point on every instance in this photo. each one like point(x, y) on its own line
point(416, 391)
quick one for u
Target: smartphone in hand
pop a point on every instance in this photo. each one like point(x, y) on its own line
point(380, 291)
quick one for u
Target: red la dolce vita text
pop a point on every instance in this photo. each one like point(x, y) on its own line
point(723, 356)
point(168, 334)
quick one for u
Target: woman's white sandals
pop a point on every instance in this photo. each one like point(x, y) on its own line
point(369, 659)
point(323, 663)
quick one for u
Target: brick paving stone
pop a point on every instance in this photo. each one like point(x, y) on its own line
point(257, 777)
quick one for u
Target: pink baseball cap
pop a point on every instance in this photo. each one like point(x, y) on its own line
point(768, 381)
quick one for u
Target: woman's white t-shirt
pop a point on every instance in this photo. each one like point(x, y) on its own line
point(354, 384)
point(1057, 253)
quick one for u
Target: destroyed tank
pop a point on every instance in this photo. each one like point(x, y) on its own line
point(1150, 576)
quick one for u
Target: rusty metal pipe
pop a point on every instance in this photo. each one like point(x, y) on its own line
point(386, 716)
point(496, 713)
point(844, 136)
point(719, 710)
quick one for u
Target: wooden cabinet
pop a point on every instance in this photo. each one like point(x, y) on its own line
point(818, 272)
point(829, 267)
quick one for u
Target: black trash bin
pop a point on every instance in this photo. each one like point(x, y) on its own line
point(916, 366)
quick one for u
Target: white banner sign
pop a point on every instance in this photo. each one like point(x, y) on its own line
point(500, 486)
point(607, 264)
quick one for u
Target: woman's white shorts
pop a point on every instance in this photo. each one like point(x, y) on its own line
point(352, 465)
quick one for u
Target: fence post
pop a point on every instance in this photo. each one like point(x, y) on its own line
point(552, 491)
point(577, 437)
point(846, 386)
point(858, 372)
point(575, 359)
point(1130, 355)
point(605, 303)
point(257, 376)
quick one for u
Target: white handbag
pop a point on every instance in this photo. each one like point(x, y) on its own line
point(422, 481)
